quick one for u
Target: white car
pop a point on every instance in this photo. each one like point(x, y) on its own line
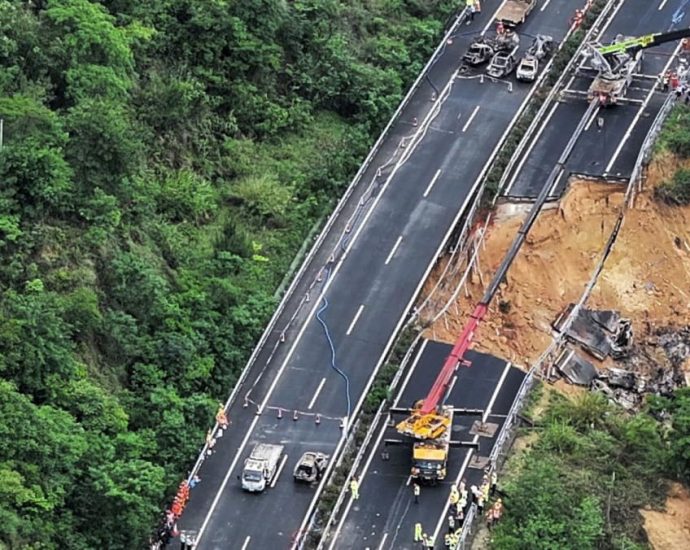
point(527, 69)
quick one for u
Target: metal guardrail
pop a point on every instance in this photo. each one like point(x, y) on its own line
point(645, 154)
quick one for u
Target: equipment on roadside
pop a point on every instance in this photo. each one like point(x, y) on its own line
point(616, 63)
point(310, 467)
point(514, 12)
point(261, 466)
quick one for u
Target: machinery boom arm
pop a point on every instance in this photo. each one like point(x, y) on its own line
point(633, 45)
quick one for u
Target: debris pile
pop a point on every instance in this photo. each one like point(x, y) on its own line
point(658, 365)
point(601, 333)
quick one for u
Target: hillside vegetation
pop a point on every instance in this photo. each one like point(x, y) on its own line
point(162, 164)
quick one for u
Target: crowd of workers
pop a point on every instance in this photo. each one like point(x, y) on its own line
point(167, 527)
point(460, 500)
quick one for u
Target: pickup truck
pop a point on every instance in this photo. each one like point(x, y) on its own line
point(514, 12)
point(261, 466)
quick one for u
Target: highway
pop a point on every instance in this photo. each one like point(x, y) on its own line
point(384, 515)
point(610, 150)
point(369, 287)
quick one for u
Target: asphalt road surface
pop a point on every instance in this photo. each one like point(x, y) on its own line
point(369, 288)
point(383, 517)
point(610, 150)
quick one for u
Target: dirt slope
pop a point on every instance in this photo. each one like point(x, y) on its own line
point(670, 530)
point(647, 277)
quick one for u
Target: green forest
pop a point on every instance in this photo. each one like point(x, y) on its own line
point(161, 165)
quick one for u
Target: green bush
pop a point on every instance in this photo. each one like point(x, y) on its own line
point(677, 190)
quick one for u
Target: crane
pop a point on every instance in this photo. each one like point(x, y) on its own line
point(616, 62)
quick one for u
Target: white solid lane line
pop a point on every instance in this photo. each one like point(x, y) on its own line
point(545, 4)
point(316, 393)
point(469, 120)
point(280, 469)
point(595, 114)
point(431, 184)
point(246, 542)
point(531, 147)
point(487, 412)
point(354, 321)
point(383, 541)
point(393, 250)
point(663, 3)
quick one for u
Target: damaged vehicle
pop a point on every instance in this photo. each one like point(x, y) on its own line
point(310, 467)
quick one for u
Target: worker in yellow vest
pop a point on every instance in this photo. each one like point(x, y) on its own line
point(418, 533)
point(354, 488)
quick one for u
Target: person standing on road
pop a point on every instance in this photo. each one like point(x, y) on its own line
point(416, 489)
point(354, 488)
point(418, 534)
point(451, 523)
point(469, 4)
point(494, 482)
point(454, 495)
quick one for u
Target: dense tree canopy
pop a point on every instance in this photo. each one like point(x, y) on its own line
point(162, 163)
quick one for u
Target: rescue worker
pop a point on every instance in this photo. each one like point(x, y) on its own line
point(462, 487)
point(480, 504)
point(354, 488)
point(448, 539)
point(221, 417)
point(500, 28)
point(665, 81)
point(475, 493)
point(494, 482)
point(454, 495)
point(416, 489)
point(486, 489)
point(469, 4)
point(418, 532)
point(428, 542)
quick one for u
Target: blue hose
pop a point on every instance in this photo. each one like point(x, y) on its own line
point(327, 332)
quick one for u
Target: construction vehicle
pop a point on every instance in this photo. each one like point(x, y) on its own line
point(616, 63)
point(310, 467)
point(514, 12)
point(261, 466)
point(430, 456)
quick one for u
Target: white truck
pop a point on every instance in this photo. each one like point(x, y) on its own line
point(514, 12)
point(261, 466)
